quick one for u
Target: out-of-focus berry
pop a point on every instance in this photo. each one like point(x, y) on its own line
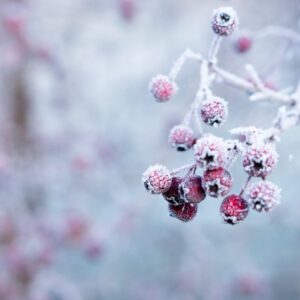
point(128, 9)
point(243, 43)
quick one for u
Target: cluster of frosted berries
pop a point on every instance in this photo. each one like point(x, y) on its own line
point(209, 175)
point(213, 156)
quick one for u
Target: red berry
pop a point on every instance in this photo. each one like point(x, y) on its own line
point(243, 44)
point(224, 21)
point(210, 152)
point(260, 160)
point(234, 209)
point(128, 9)
point(217, 182)
point(162, 88)
point(181, 137)
point(263, 195)
point(191, 189)
point(214, 111)
point(185, 212)
point(157, 179)
point(173, 193)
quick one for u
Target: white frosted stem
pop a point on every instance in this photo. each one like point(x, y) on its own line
point(183, 168)
point(179, 63)
point(214, 49)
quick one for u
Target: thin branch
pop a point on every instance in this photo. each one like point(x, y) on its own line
point(188, 54)
point(252, 88)
point(278, 31)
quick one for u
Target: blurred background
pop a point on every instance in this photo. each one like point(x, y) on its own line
point(78, 128)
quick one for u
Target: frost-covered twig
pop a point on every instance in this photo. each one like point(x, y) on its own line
point(188, 54)
point(252, 88)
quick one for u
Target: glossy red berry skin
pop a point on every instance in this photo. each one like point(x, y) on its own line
point(191, 189)
point(173, 194)
point(234, 209)
point(217, 182)
point(185, 212)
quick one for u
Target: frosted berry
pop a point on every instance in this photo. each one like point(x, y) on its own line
point(214, 111)
point(259, 160)
point(217, 182)
point(234, 209)
point(185, 212)
point(128, 9)
point(224, 21)
point(210, 152)
point(263, 196)
point(157, 179)
point(162, 88)
point(172, 195)
point(243, 43)
point(191, 189)
point(181, 137)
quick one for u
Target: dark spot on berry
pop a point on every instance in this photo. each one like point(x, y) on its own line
point(146, 185)
point(258, 206)
point(208, 158)
point(225, 17)
point(213, 189)
point(257, 166)
point(181, 148)
point(217, 122)
point(230, 222)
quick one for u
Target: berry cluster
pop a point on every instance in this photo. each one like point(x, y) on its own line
point(209, 175)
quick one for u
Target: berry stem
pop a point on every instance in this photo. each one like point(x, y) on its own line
point(214, 49)
point(252, 88)
point(183, 168)
point(245, 185)
point(179, 63)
